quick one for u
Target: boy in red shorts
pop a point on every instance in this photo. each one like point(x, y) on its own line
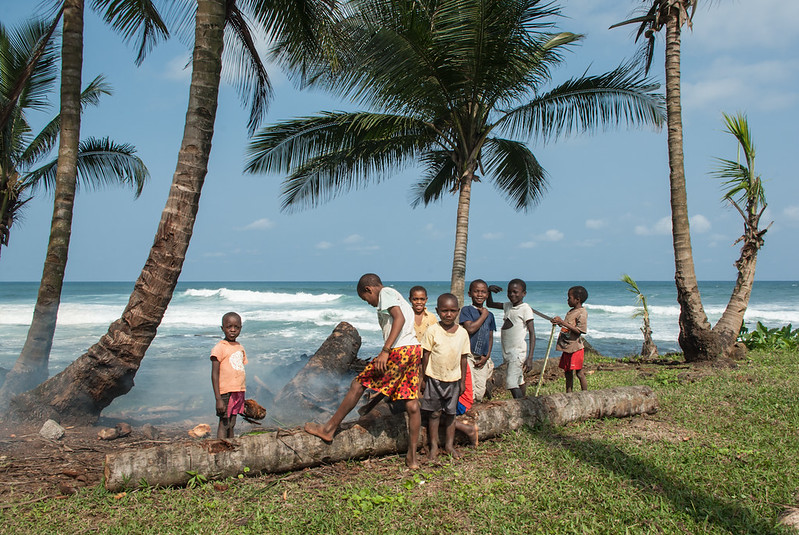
point(573, 326)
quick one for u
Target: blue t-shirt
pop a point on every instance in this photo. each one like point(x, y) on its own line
point(478, 340)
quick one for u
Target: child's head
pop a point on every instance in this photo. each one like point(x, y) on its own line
point(418, 298)
point(231, 326)
point(369, 286)
point(447, 308)
point(577, 296)
point(478, 291)
point(517, 289)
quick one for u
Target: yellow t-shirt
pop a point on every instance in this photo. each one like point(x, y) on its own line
point(428, 319)
point(446, 350)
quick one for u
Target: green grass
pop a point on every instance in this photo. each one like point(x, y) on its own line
point(719, 457)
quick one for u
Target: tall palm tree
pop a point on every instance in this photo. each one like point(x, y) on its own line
point(23, 168)
point(698, 340)
point(130, 17)
point(450, 85)
point(88, 385)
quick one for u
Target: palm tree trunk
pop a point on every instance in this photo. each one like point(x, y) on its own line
point(106, 370)
point(458, 281)
point(31, 366)
point(696, 338)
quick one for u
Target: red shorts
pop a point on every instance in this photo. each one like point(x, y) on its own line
point(572, 361)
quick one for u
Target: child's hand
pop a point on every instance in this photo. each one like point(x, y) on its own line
point(220, 406)
point(422, 384)
point(494, 289)
point(557, 321)
point(381, 361)
point(527, 366)
point(481, 362)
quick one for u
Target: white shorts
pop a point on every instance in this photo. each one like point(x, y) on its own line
point(515, 375)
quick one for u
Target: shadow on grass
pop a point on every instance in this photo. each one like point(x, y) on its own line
point(702, 506)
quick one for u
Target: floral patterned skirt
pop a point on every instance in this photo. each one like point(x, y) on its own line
point(401, 378)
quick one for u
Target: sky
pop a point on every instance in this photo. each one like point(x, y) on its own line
point(605, 213)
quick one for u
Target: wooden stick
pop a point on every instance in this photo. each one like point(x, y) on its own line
point(546, 358)
point(548, 318)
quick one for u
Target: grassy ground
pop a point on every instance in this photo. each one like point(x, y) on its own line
point(719, 457)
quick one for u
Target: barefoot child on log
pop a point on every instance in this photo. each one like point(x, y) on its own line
point(422, 318)
point(394, 372)
point(480, 324)
point(445, 347)
point(573, 326)
point(227, 375)
point(517, 353)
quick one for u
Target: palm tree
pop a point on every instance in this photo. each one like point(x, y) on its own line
point(648, 349)
point(744, 191)
point(22, 154)
point(80, 392)
point(129, 17)
point(698, 340)
point(449, 85)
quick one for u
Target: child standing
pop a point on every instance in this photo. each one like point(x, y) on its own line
point(480, 324)
point(573, 326)
point(394, 372)
point(445, 347)
point(517, 353)
point(422, 319)
point(227, 375)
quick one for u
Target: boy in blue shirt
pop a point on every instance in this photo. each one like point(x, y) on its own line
point(480, 324)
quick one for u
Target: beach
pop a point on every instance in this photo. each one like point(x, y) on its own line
point(285, 322)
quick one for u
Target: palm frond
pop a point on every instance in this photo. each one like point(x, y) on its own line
point(243, 67)
point(440, 176)
point(134, 20)
point(101, 163)
point(515, 172)
point(741, 186)
point(587, 104)
point(28, 65)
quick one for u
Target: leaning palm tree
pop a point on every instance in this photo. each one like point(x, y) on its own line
point(24, 165)
point(80, 392)
point(130, 17)
point(698, 340)
point(450, 85)
point(648, 349)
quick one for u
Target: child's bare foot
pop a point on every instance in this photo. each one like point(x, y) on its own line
point(319, 431)
point(453, 452)
point(474, 436)
point(432, 455)
point(410, 461)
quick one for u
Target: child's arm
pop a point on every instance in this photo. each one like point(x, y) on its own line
point(528, 363)
point(490, 301)
point(220, 405)
point(487, 356)
point(422, 376)
point(474, 325)
point(396, 328)
point(557, 320)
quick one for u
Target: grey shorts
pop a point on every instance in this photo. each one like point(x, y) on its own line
point(441, 396)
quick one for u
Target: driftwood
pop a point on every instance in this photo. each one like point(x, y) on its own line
point(281, 451)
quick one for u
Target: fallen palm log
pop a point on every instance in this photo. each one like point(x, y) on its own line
point(322, 382)
point(282, 451)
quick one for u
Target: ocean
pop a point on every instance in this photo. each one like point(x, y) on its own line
point(285, 322)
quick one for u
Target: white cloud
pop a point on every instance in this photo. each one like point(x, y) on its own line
point(791, 212)
point(324, 245)
point(661, 226)
point(731, 26)
point(492, 236)
point(595, 223)
point(353, 238)
point(259, 224)
point(699, 224)
point(552, 235)
point(179, 68)
point(527, 245)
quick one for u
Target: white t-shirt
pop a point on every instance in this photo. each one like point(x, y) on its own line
point(389, 297)
point(514, 342)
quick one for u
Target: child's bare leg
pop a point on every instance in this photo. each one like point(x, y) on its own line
point(230, 427)
point(581, 377)
point(448, 420)
point(470, 430)
point(326, 431)
point(569, 381)
point(222, 429)
point(432, 434)
point(414, 425)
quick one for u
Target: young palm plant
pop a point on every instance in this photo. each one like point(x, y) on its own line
point(457, 87)
point(24, 164)
point(649, 349)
